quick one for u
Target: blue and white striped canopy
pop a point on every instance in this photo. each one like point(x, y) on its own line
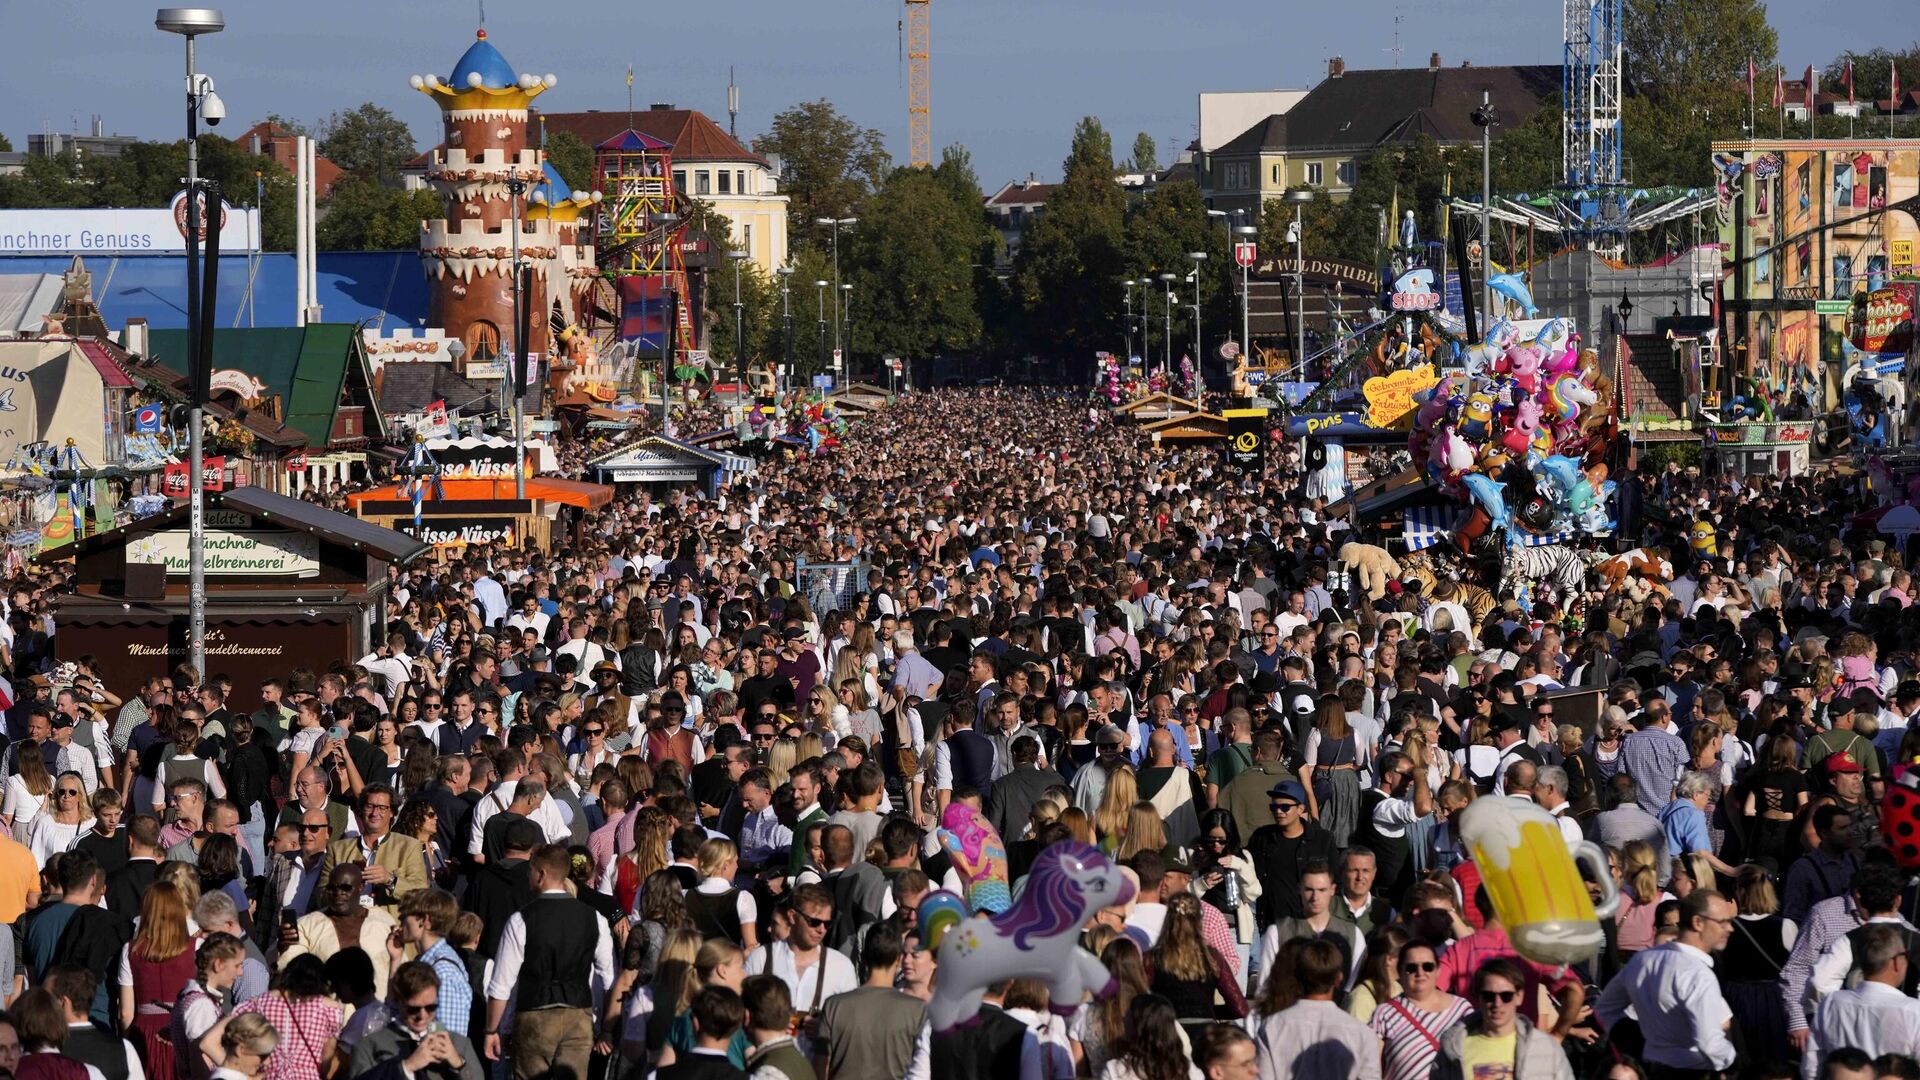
point(1426, 526)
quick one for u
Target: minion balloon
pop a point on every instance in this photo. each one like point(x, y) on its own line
point(1704, 542)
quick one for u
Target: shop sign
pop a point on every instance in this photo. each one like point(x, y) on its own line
point(483, 462)
point(655, 474)
point(1889, 316)
point(1390, 397)
point(444, 533)
point(232, 553)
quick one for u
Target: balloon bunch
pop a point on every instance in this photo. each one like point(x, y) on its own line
point(1107, 386)
point(824, 427)
point(1521, 434)
point(1189, 378)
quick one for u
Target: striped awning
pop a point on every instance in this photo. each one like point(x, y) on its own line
point(1426, 526)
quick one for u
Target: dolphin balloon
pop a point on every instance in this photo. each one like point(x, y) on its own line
point(1489, 494)
point(1515, 289)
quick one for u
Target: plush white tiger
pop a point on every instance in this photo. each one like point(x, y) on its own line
point(1555, 566)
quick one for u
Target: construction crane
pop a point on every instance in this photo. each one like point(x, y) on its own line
point(919, 85)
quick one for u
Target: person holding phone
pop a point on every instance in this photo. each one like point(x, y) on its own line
point(419, 1045)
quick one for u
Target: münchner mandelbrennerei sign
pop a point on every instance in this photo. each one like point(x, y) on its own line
point(233, 554)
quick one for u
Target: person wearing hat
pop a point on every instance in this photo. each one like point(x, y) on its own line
point(1838, 737)
point(1875, 565)
point(1826, 871)
point(608, 691)
point(1246, 796)
point(1282, 849)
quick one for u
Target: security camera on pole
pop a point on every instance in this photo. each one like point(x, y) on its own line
point(201, 101)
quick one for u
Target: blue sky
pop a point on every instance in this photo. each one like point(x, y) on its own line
point(1009, 79)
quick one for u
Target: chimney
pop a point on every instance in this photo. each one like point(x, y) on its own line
point(1336, 67)
point(1433, 62)
point(134, 340)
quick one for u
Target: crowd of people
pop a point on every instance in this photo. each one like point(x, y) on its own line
point(656, 803)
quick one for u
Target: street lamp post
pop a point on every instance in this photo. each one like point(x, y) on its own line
point(1227, 219)
point(1126, 327)
point(822, 287)
point(786, 321)
point(844, 363)
point(515, 187)
point(1298, 234)
point(1168, 279)
point(191, 23)
point(1199, 359)
point(1246, 233)
point(836, 224)
point(1485, 117)
point(739, 328)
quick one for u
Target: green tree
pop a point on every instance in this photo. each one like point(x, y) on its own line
point(1162, 231)
point(289, 125)
point(572, 158)
point(1526, 158)
point(758, 295)
point(1695, 48)
point(147, 174)
point(361, 215)
point(1068, 273)
point(828, 164)
point(1870, 70)
point(367, 141)
point(6, 145)
point(913, 286)
point(811, 313)
point(1146, 156)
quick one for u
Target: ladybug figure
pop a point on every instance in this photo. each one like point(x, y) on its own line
point(1900, 818)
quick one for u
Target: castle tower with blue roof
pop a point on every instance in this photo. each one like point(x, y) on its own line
point(468, 254)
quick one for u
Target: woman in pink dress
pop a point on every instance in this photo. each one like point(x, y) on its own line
point(308, 1021)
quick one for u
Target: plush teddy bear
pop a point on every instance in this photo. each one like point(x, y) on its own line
point(1374, 566)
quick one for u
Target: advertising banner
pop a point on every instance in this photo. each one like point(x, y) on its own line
point(1247, 439)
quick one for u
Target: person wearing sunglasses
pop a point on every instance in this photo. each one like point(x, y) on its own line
point(419, 1045)
point(1500, 1041)
point(1411, 1024)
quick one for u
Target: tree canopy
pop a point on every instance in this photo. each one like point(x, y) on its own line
point(828, 164)
point(913, 291)
point(1070, 266)
point(1146, 156)
point(367, 141)
point(572, 158)
point(147, 174)
point(362, 215)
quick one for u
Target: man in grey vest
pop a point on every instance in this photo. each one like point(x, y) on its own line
point(555, 962)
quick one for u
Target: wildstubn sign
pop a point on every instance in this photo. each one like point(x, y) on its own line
point(1357, 275)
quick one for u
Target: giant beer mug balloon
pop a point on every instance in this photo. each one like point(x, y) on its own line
point(1531, 875)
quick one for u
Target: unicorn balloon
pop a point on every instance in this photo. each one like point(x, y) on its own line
point(1036, 938)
